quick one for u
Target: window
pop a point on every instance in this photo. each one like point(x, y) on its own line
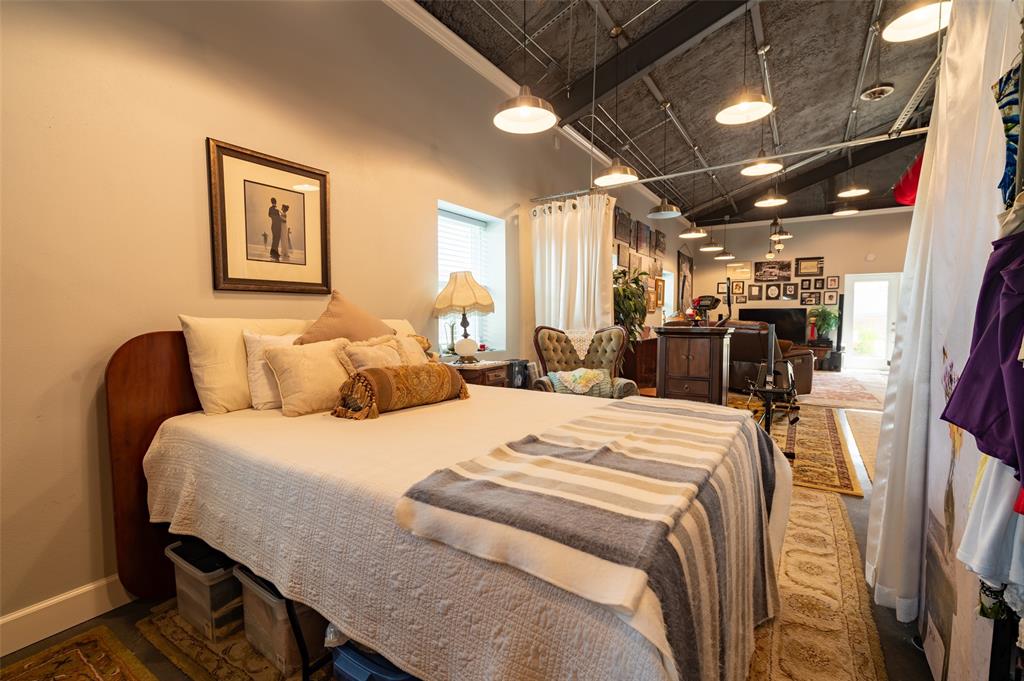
point(471, 241)
point(670, 297)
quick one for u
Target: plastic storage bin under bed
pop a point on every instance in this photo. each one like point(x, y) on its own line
point(354, 663)
point(268, 628)
point(209, 596)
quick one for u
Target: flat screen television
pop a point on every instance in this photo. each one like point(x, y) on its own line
point(790, 322)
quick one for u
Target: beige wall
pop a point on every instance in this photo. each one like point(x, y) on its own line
point(105, 212)
point(859, 244)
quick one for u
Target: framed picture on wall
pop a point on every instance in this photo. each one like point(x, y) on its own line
point(684, 268)
point(269, 222)
point(722, 288)
point(772, 291)
point(790, 291)
point(810, 298)
point(659, 267)
point(819, 284)
point(652, 300)
point(831, 298)
point(805, 284)
point(754, 291)
point(659, 291)
point(773, 270)
point(832, 283)
point(810, 267)
point(737, 288)
point(659, 242)
point(741, 269)
point(635, 262)
point(622, 255)
point(739, 300)
point(622, 224)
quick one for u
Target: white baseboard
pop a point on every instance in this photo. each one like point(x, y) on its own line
point(34, 623)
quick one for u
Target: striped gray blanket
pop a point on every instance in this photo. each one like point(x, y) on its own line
point(657, 509)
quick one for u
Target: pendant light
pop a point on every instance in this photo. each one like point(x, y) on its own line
point(852, 190)
point(923, 19)
point(712, 246)
point(763, 165)
point(779, 246)
point(725, 254)
point(770, 254)
point(693, 231)
point(778, 232)
point(525, 114)
point(749, 107)
point(773, 198)
point(877, 90)
point(664, 210)
point(843, 210)
point(617, 173)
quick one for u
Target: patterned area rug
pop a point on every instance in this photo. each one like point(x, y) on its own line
point(853, 390)
point(865, 426)
point(95, 655)
point(825, 630)
point(232, 659)
point(822, 458)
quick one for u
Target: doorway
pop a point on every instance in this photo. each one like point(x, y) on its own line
point(869, 320)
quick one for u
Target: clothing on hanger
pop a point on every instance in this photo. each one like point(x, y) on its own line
point(1007, 94)
point(988, 400)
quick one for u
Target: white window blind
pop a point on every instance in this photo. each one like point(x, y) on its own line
point(462, 246)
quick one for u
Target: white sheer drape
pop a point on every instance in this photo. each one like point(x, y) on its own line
point(572, 262)
point(952, 223)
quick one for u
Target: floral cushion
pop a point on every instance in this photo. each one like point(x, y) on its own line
point(591, 382)
point(376, 390)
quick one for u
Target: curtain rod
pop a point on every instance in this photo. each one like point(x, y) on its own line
point(684, 173)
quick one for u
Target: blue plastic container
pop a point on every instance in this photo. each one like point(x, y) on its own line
point(353, 664)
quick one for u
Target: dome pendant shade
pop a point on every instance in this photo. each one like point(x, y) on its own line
point(779, 246)
point(616, 174)
point(525, 114)
point(712, 247)
point(770, 200)
point(762, 166)
point(664, 211)
point(770, 255)
point(853, 190)
point(693, 232)
point(923, 20)
point(748, 109)
point(878, 91)
point(725, 255)
point(844, 210)
point(781, 235)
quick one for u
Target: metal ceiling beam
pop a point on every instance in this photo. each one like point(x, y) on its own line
point(865, 58)
point(745, 200)
point(677, 34)
point(762, 57)
point(922, 89)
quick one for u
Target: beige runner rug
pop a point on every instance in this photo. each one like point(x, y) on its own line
point(866, 426)
point(95, 655)
point(824, 630)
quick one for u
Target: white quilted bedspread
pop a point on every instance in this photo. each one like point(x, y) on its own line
point(309, 503)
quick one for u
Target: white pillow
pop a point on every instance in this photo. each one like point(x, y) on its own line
point(216, 354)
point(402, 327)
point(383, 351)
point(308, 376)
point(262, 382)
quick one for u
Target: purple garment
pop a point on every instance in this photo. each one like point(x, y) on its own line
point(988, 400)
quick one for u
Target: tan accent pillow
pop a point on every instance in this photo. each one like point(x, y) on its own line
point(216, 354)
point(344, 319)
point(308, 376)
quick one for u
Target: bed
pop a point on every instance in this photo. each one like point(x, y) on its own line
point(308, 503)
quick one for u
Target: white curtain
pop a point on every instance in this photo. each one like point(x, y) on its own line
point(953, 222)
point(572, 262)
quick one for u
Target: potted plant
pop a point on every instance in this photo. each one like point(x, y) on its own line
point(825, 320)
point(630, 302)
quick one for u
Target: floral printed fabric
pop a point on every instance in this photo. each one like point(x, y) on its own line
point(1007, 94)
point(592, 382)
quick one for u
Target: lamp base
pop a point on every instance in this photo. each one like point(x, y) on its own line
point(469, 359)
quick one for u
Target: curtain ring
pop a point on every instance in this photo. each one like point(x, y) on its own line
point(560, 208)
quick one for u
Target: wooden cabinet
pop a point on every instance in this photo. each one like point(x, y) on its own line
point(693, 363)
point(640, 363)
point(485, 373)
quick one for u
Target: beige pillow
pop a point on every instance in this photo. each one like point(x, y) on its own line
point(308, 376)
point(344, 319)
point(262, 382)
point(216, 354)
point(380, 352)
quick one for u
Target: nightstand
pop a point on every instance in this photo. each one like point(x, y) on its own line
point(493, 373)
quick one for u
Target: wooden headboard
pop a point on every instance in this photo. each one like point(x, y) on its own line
point(148, 381)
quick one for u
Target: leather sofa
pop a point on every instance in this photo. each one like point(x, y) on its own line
point(749, 349)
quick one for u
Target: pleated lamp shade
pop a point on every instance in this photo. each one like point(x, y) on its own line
point(462, 293)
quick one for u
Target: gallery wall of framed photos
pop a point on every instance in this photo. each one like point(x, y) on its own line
point(642, 248)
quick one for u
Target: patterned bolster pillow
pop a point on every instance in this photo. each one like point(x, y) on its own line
point(374, 391)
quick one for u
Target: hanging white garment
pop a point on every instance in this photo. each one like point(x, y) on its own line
point(952, 224)
point(993, 542)
point(572, 262)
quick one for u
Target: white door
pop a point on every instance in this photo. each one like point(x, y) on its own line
point(869, 320)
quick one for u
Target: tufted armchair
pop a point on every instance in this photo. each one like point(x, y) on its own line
point(557, 353)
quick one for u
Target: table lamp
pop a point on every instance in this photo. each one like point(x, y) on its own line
point(463, 294)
